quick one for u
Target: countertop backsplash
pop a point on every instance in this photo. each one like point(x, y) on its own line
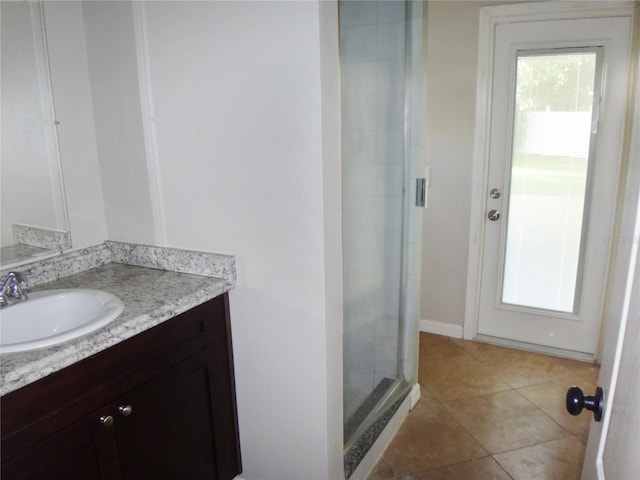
point(162, 258)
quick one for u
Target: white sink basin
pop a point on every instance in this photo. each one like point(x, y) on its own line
point(54, 316)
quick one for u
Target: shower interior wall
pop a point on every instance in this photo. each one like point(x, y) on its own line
point(377, 344)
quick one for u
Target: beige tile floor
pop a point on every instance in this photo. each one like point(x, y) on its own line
point(490, 412)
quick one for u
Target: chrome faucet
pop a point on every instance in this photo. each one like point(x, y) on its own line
point(12, 289)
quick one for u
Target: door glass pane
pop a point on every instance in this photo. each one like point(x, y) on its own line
point(550, 157)
point(373, 123)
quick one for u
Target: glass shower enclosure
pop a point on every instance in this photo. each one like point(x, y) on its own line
point(380, 47)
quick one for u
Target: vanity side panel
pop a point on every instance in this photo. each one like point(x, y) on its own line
point(223, 395)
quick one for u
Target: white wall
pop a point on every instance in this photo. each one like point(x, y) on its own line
point(451, 82)
point(246, 117)
point(76, 132)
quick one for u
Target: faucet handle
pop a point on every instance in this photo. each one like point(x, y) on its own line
point(19, 278)
point(13, 284)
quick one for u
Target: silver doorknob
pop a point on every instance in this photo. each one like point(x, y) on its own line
point(495, 193)
point(106, 420)
point(494, 215)
point(125, 410)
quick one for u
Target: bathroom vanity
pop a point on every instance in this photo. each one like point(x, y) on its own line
point(150, 397)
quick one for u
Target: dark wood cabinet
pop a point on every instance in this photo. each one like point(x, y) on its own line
point(160, 405)
point(78, 452)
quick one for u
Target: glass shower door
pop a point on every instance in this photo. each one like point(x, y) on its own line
point(380, 326)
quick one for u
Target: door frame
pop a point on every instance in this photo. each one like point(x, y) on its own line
point(489, 18)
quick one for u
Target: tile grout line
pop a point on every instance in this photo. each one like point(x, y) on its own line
point(433, 399)
point(513, 388)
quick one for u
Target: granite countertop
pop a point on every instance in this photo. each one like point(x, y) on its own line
point(150, 296)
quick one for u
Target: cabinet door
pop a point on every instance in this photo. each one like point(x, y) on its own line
point(84, 451)
point(164, 428)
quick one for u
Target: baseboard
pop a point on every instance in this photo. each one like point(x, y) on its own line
point(441, 328)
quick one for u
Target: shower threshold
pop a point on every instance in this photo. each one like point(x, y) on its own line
point(365, 426)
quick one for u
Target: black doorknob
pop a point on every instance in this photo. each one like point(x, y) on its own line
point(576, 401)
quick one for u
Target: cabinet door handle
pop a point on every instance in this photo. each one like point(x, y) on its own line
point(106, 420)
point(125, 410)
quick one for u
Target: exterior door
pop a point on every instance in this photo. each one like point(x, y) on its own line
point(557, 115)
